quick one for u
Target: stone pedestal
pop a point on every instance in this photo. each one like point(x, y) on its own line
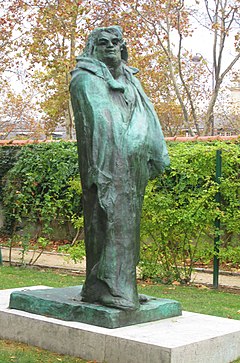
point(189, 338)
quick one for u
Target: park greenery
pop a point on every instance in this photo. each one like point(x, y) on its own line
point(42, 190)
point(40, 40)
point(180, 210)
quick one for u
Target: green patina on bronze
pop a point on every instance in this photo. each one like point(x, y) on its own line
point(61, 303)
point(120, 146)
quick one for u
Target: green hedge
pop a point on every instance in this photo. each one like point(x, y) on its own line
point(178, 213)
point(8, 157)
point(40, 187)
point(180, 210)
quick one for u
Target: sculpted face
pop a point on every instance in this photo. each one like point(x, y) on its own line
point(107, 49)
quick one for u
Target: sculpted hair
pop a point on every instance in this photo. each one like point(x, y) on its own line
point(116, 30)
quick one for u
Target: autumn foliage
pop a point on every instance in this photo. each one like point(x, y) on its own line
point(40, 39)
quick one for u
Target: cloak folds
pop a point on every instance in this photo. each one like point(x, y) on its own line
point(120, 146)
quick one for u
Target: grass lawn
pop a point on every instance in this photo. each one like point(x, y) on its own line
point(200, 300)
point(11, 277)
point(13, 352)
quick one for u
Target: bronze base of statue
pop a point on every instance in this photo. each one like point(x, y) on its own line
point(62, 303)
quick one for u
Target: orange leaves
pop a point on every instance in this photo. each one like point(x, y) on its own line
point(52, 33)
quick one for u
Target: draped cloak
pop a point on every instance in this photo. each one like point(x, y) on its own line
point(120, 146)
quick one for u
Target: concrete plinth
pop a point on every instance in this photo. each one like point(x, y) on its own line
point(190, 338)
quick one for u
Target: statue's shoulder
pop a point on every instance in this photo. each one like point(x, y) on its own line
point(86, 73)
point(87, 66)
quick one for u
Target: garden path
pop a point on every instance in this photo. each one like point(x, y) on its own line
point(62, 261)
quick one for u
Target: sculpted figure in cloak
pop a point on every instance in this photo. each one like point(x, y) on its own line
point(121, 146)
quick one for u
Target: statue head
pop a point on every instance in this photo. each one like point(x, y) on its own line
point(107, 45)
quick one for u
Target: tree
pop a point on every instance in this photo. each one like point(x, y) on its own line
point(52, 44)
point(18, 113)
point(6, 35)
point(227, 107)
point(51, 35)
point(163, 25)
point(223, 16)
point(152, 27)
point(54, 32)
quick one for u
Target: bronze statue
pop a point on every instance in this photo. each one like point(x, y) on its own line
point(120, 146)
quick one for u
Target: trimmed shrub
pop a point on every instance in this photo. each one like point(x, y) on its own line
point(180, 209)
point(8, 157)
point(39, 188)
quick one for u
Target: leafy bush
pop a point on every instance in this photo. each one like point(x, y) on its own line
point(40, 187)
point(180, 209)
point(8, 157)
point(229, 255)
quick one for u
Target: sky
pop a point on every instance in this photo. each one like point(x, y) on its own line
point(202, 40)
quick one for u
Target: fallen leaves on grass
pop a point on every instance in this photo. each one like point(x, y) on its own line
point(202, 287)
point(176, 283)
